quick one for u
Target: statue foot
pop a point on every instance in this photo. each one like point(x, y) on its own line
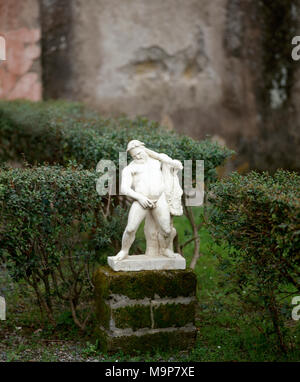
point(169, 253)
point(121, 256)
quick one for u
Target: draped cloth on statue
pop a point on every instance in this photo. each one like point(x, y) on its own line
point(173, 189)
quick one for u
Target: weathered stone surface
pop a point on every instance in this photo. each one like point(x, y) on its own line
point(172, 314)
point(20, 74)
point(103, 311)
point(200, 67)
point(143, 262)
point(28, 87)
point(138, 285)
point(172, 61)
point(59, 79)
point(133, 316)
point(7, 82)
point(180, 339)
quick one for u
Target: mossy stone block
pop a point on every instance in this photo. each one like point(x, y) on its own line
point(145, 311)
point(138, 285)
point(103, 312)
point(173, 315)
point(160, 341)
point(134, 317)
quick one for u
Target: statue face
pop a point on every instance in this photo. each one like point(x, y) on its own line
point(138, 154)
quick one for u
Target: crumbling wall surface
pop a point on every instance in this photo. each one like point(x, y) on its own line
point(218, 68)
point(203, 68)
point(20, 74)
point(162, 59)
point(269, 27)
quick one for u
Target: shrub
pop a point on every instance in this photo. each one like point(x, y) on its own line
point(58, 131)
point(52, 232)
point(259, 216)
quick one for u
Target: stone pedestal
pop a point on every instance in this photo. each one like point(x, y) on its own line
point(144, 262)
point(146, 310)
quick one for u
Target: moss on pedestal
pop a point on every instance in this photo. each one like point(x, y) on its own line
point(138, 285)
point(145, 311)
point(173, 315)
point(161, 341)
point(134, 317)
point(103, 311)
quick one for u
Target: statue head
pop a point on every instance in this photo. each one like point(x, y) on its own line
point(134, 143)
point(137, 150)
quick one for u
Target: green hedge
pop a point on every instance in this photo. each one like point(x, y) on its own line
point(58, 131)
point(258, 215)
point(52, 231)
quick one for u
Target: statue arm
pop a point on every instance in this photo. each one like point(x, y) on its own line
point(127, 183)
point(164, 158)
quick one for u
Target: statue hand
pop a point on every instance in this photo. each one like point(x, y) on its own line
point(145, 202)
point(177, 164)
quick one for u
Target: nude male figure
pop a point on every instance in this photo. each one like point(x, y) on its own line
point(143, 181)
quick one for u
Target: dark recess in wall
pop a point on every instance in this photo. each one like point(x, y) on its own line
point(56, 25)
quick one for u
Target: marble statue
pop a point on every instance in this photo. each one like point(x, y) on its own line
point(151, 180)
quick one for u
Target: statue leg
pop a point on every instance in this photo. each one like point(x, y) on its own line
point(173, 234)
point(136, 215)
point(162, 216)
point(151, 233)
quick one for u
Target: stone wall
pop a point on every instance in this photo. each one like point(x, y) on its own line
point(219, 68)
point(199, 67)
point(20, 74)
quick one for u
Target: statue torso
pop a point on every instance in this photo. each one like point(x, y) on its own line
point(147, 178)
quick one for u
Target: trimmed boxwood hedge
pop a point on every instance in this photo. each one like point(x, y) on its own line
point(53, 232)
point(258, 216)
point(59, 132)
